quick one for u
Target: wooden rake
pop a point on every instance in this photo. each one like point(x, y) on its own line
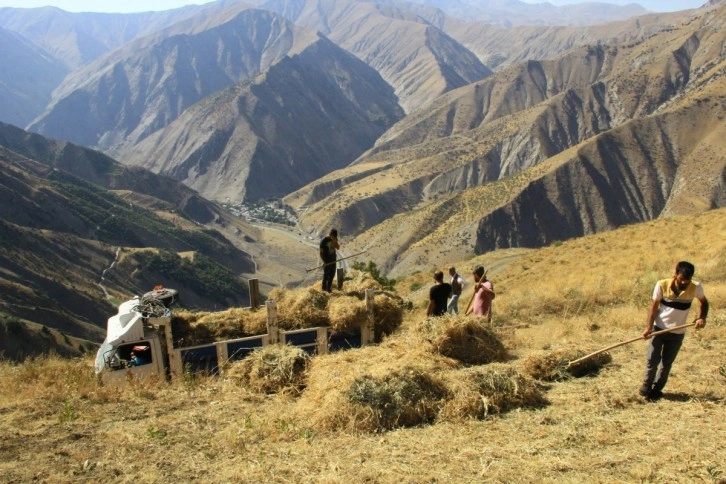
point(622, 343)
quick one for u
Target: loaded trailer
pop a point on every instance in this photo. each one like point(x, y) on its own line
point(140, 343)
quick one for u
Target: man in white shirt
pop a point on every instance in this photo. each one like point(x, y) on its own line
point(671, 303)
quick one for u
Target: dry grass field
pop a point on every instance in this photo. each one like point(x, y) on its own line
point(413, 409)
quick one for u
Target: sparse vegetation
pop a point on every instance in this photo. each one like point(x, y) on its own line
point(12, 325)
point(204, 276)
point(411, 406)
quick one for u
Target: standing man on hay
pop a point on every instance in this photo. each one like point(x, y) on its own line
point(457, 285)
point(438, 295)
point(672, 300)
point(483, 294)
point(328, 247)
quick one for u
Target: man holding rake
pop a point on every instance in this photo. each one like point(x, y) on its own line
point(672, 300)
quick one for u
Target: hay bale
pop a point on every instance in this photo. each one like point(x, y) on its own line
point(272, 369)
point(347, 313)
point(404, 398)
point(553, 365)
point(481, 391)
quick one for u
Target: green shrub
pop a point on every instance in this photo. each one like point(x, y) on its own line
point(13, 326)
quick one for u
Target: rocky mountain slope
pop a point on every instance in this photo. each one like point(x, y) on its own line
point(601, 137)
point(28, 75)
point(143, 72)
point(499, 47)
point(75, 39)
point(419, 60)
point(308, 115)
point(509, 13)
point(124, 96)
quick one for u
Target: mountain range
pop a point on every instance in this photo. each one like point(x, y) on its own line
point(424, 135)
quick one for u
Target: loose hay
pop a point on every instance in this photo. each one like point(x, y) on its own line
point(404, 398)
point(554, 365)
point(387, 313)
point(326, 405)
point(301, 308)
point(480, 391)
point(195, 328)
point(306, 307)
point(466, 339)
point(347, 313)
point(272, 369)
point(356, 283)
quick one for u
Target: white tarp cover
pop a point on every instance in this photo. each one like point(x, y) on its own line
point(127, 325)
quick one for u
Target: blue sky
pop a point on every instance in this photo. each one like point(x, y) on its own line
point(146, 5)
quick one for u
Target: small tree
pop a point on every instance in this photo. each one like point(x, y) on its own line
point(375, 273)
point(13, 325)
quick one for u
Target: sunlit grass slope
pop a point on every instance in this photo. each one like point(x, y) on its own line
point(58, 425)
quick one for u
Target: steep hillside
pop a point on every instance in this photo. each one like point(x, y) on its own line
point(74, 39)
point(311, 113)
point(99, 169)
point(500, 47)
point(419, 60)
point(644, 170)
point(71, 248)
point(28, 75)
point(126, 95)
point(58, 423)
point(528, 114)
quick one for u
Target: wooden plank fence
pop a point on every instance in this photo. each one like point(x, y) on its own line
point(213, 357)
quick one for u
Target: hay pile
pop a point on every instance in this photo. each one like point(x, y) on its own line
point(388, 312)
point(349, 390)
point(306, 307)
point(347, 313)
point(553, 365)
point(301, 308)
point(271, 369)
point(356, 283)
point(478, 392)
point(342, 311)
point(468, 339)
point(406, 381)
point(403, 398)
point(196, 328)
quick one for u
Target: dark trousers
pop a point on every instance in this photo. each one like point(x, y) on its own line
point(662, 352)
point(329, 275)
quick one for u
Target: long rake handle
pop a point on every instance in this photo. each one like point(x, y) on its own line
point(572, 363)
point(472, 296)
point(336, 261)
